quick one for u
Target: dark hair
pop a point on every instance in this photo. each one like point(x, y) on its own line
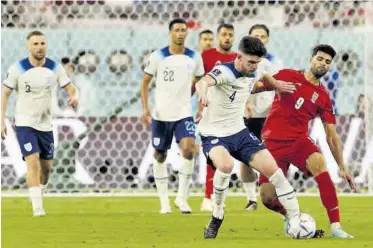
point(206, 31)
point(225, 25)
point(324, 48)
point(252, 46)
point(259, 26)
point(175, 21)
point(34, 33)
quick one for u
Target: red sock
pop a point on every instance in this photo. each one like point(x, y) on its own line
point(328, 196)
point(209, 185)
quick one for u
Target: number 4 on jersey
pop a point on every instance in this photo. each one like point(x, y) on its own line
point(233, 96)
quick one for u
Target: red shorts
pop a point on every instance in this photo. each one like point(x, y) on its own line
point(288, 152)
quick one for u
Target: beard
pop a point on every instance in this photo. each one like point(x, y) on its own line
point(39, 56)
point(319, 73)
point(226, 47)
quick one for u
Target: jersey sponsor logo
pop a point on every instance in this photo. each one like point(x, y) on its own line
point(216, 72)
point(156, 141)
point(314, 97)
point(214, 141)
point(28, 146)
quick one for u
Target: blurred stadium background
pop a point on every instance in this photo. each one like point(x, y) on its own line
point(105, 45)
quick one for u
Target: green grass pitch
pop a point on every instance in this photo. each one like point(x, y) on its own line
point(135, 222)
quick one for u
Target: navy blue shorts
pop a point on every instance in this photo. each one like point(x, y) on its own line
point(34, 141)
point(163, 132)
point(241, 145)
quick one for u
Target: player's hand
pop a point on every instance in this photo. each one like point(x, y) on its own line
point(3, 130)
point(346, 176)
point(73, 102)
point(198, 116)
point(285, 87)
point(203, 99)
point(146, 117)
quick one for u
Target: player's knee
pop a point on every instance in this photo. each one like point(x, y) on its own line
point(187, 152)
point(160, 156)
point(225, 167)
point(316, 163)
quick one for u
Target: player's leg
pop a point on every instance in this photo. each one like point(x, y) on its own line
point(161, 141)
point(248, 176)
point(46, 145)
point(207, 204)
point(269, 197)
point(316, 165)
point(185, 136)
point(28, 142)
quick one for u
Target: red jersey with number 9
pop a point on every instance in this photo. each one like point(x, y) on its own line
point(290, 113)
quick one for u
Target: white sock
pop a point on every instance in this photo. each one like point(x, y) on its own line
point(161, 181)
point(36, 198)
point(185, 173)
point(43, 188)
point(285, 193)
point(335, 225)
point(221, 184)
point(250, 189)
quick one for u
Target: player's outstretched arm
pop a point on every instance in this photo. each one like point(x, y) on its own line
point(202, 87)
point(5, 93)
point(335, 145)
point(144, 91)
point(73, 95)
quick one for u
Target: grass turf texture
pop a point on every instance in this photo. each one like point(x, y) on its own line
point(135, 222)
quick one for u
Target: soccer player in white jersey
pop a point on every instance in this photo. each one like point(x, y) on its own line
point(175, 68)
point(223, 131)
point(258, 108)
point(34, 79)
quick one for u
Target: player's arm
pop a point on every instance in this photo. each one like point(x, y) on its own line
point(269, 83)
point(5, 93)
point(144, 91)
point(202, 88)
point(335, 146)
point(198, 72)
point(73, 95)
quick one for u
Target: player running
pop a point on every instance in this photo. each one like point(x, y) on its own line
point(34, 79)
point(285, 134)
point(224, 134)
point(175, 67)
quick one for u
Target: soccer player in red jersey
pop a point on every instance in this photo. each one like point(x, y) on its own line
point(221, 54)
point(285, 134)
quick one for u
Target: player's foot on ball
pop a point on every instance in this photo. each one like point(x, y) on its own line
point(212, 229)
point(39, 212)
point(339, 233)
point(206, 205)
point(251, 205)
point(318, 234)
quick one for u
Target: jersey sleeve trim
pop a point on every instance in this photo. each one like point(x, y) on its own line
point(66, 84)
point(148, 73)
point(216, 81)
point(8, 86)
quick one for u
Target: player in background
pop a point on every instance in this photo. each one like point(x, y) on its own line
point(222, 54)
point(285, 134)
point(257, 110)
point(224, 134)
point(34, 79)
point(175, 68)
point(206, 40)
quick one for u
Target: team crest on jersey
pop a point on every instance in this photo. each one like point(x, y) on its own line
point(156, 141)
point(216, 72)
point(314, 97)
point(28, 146)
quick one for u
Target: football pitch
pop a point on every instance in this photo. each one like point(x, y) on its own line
point(135, 222)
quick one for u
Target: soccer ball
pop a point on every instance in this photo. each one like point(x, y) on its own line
point(303, 227)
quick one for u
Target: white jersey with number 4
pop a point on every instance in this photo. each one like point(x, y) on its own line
point(34, 86)
point(227, 100)
point(174, 74)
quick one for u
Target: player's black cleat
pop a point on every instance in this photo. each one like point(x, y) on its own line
point(251, 205)
point(318, 234)
point(212, 229)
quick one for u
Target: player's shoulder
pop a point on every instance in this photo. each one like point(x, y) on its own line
point(209, 52)
point(230, 70)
